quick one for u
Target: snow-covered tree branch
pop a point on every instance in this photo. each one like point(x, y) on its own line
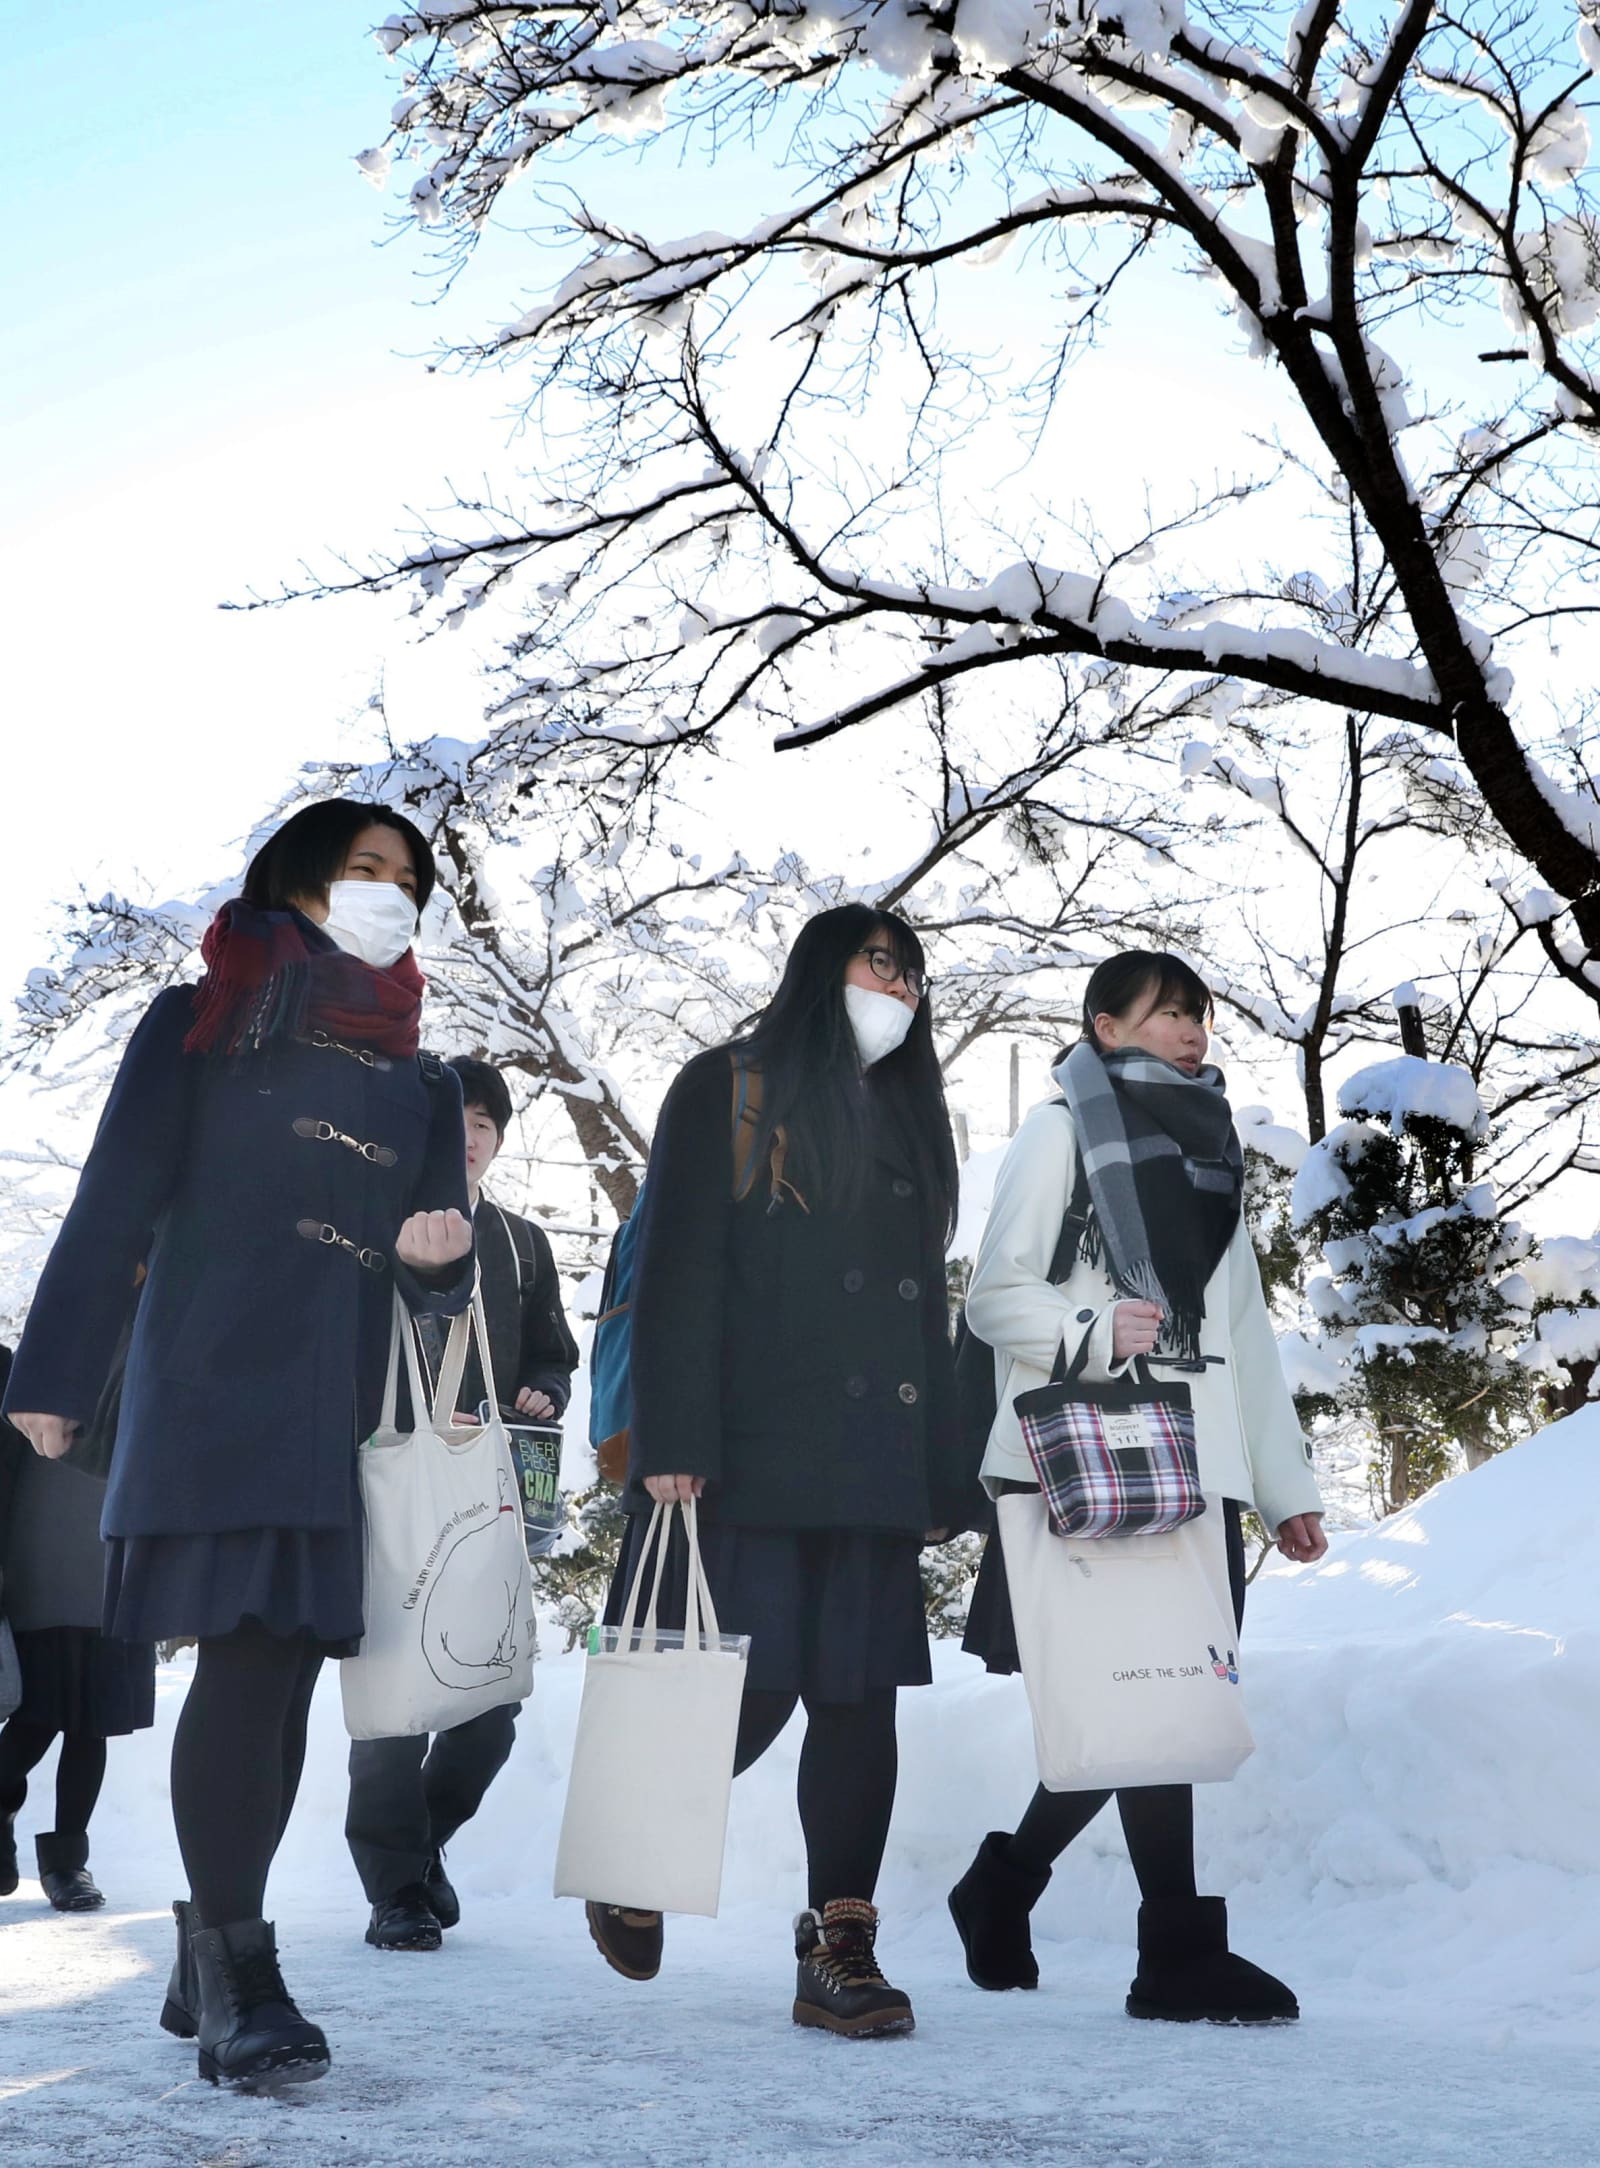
point(775, 411)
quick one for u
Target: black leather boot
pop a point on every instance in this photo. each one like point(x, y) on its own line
point(990, 1906)
point(250, 2032)
point(1187, 1973)
point(838, 1985)
point(8, 1855)
point(404, 1920)
point(440, 1892)
point(64, 1871)
point(180, 2013)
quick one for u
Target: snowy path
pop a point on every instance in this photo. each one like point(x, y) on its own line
point(1415, 1846)
point(515, 2045)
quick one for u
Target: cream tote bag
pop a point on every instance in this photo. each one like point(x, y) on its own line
point(1129, 1651)
point(652, 1765)
point(449, 1602)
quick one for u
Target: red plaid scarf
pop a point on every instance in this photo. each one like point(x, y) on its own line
point(273, 974)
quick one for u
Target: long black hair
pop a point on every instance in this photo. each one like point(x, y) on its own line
point(308, 852)
point(1153, 976)
point(812, 1081)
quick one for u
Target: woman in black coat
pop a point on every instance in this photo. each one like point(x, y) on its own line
point(77, 1685)
point(279, 1156)
point(791, 1369)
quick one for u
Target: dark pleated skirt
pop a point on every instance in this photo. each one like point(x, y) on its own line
point(991, 1630)
point(297, 1583)
point(833, 1613)
point(74, 1679)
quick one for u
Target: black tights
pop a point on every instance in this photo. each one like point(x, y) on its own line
point(236, 1760)
point(79, 1772)
point(848, 1767)
point(1157, 1819)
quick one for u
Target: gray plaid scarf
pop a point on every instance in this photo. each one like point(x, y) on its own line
point(1160, 1179)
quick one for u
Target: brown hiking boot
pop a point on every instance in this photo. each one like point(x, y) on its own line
point(838, 1985)
point(629, 1941)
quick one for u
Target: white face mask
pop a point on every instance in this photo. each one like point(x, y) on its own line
point(880, 1022)
point(374, 920)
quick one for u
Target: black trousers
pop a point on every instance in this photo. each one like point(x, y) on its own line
point(408, 1797)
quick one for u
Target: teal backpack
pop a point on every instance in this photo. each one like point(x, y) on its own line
point(610, 1378)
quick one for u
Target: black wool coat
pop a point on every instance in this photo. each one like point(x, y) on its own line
point(798, 1360)
point(264, 1195)
point(530, 1342)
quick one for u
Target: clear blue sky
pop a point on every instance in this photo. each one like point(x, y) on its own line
point(203, 381)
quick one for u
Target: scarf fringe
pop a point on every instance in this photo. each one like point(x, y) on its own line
point(1180, 1328)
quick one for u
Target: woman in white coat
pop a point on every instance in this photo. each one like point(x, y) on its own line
point(1117, 1219)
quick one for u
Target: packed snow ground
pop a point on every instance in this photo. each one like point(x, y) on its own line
point(1415, 1846)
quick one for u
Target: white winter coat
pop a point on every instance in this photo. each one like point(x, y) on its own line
point(1248, 1440)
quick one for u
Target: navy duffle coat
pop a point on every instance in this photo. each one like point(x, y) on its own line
point(264, 1193)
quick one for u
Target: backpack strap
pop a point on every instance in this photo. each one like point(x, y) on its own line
point(746, 1130)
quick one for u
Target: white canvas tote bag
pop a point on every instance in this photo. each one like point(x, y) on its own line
point(1129, 1651)
point(652, 1765)
point(449, 1603)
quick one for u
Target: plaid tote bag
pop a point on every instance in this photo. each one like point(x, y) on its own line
point(1112, 1460)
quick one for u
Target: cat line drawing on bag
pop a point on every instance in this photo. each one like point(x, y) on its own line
point(448, 1665)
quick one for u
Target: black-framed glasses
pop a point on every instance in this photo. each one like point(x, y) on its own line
point(886, 966)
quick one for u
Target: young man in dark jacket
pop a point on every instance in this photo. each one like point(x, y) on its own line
point(409, 1797)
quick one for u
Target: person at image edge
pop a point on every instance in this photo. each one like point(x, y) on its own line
point(1160, 1262)
point(280, 1157)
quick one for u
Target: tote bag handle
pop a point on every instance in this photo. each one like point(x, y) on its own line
point(403, 1333)
point(700, 1612)
point(453, 1367)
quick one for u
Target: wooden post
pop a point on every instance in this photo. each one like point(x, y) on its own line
point(1409, 1010)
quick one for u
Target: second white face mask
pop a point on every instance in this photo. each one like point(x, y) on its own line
point(880, 1022)
point(374, 920)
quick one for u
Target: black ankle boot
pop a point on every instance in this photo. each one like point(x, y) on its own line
point(180, 2013)
point(440, 1892)
point(250, 2032)
point(990, 1906)
point(8, 1855)
point(838, 1984)
point(64, 1871)
point(1187, 1972)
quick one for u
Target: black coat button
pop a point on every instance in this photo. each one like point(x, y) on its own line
point(856, 1387)
point(854, 1281)
point(909, 1290)
point(901, 1187)
point(908, 1393)
point(1084, 1316)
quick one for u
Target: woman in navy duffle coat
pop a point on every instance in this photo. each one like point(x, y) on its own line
point(281, 1158)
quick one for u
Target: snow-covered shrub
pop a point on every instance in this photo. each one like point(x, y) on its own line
point(572, 1582)
point(948, 1572)
point(1563, 1280)
point(1272, 1157)
point(1420, 1312)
